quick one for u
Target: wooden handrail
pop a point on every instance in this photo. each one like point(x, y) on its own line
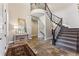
point(59, 24)
point(55, 33)
point(53, 15)
point(56, 16)
point(48, 8)
point(50, 11)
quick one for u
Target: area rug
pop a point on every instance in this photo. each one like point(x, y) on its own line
point(20, 50)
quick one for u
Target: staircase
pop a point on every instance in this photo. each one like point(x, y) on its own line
point(67, 39)
point(63, 37)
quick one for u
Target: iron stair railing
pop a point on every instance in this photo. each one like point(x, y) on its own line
point(42, 29)
point(42, 34)
point(54, 19)
point(57, 21)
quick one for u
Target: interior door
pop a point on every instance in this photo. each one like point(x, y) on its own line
point(3, 30)
point(34, 27)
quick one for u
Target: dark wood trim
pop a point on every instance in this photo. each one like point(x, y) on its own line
point(58, 24)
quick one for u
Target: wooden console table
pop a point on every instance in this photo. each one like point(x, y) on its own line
point(20, 36)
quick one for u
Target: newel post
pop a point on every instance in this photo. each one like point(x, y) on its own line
point(77, 43)
point(53, 40)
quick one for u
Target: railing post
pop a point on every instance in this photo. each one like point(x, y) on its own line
point(61, 21)
point(51, 16)
point(53, 40)
point(45, 6)
point(77, 43)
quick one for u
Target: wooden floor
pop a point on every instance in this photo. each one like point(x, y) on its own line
point(39, 47)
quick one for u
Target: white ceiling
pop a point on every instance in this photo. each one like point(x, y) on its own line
point(58, 6)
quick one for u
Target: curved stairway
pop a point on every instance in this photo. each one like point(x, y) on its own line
point(68, 39)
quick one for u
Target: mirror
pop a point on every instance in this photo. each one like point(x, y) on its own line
point(21, 27)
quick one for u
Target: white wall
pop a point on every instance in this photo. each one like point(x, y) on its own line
point(42, 27)
point(45, 26)
point(70, 16)
point(16, 11)
point(28, 20)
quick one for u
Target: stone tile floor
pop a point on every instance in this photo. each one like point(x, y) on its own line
point(45, 48)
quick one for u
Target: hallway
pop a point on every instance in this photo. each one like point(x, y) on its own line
point(21, 23)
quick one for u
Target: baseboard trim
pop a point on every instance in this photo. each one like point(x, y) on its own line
point(48, 38)
point(34, 35)
point(66, 25)
point(30, 38)
point(6, 48)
